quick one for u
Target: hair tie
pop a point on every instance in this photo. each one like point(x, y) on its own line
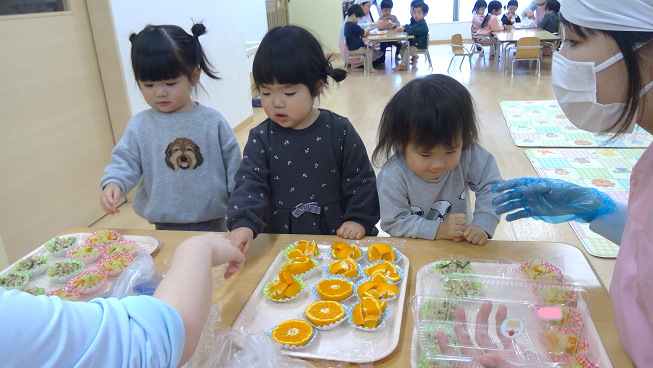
point(132, 37)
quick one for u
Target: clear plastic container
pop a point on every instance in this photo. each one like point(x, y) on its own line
point(542, 324)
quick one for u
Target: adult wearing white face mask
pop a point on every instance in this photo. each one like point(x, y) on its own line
point(602, 78)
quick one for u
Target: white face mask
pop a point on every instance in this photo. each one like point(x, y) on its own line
point(574, 84)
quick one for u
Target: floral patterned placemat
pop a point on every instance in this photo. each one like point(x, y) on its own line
point(544, 124)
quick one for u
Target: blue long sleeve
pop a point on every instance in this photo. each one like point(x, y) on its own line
point(611, 226)
point(40, 331)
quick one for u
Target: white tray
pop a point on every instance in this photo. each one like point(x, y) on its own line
point(430, 283)
point(344, 343)
point(146, 245)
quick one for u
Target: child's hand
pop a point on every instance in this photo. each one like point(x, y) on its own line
point(222, 251)
point(243, 236)
point(452, 227)
point(399, 29)
point(475, 235)
point(351, 230)
point(110, 197)
point(367, 31)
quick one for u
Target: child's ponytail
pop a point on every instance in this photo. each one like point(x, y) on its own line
point(199, 29)
point(337, 74)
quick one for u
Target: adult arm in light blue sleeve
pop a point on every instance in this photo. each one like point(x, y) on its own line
point(396, 216)
point(40, 331)
point(611, 226)
point(125, 168)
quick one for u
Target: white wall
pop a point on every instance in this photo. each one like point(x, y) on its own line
point(256, 21)
point(324, 18)
point(224, 45)
point(444, 31)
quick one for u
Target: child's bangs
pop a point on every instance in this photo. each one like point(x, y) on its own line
point(153, 61)
point(271, 66)
point(434, 126)
point(283, 57)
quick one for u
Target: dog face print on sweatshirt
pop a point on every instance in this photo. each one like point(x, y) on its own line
point(183, 153)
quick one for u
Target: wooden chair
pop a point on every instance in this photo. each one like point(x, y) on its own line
point(364, 57)
point(458, 48)
point(476, 37)
point(424, 52)
point(527, 48)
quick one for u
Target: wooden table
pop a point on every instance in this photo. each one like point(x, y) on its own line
point(391, 36)
point(508, 37)
point(236, 291)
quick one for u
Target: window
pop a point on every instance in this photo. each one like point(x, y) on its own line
point(14, 7)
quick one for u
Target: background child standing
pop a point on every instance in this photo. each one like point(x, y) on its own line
point(429, 127)
point(182, 155)
point(304, 170)
point(420, 30)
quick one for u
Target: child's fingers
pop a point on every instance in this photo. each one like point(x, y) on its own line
point(483, 241)
point(360, 234)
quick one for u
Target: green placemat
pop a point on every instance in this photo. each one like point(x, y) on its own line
point(607, 170)
point(544, 124)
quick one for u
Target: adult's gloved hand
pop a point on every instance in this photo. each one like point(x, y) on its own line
point(550, 200)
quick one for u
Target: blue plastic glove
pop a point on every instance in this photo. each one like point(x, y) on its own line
point(550, 200)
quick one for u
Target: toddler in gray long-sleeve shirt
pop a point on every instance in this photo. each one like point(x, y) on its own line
point(181, 155)
point(430, 129)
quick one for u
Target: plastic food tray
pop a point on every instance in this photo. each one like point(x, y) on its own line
point(500, 284)
point(343, 343)
point(146, 245)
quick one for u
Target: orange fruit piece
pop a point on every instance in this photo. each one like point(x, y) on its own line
point(295, 253)
point(371, 320)
point(340, 245)
point(344, 253)
point(292, 290)
point(357, 252)
point(286, 277)
point(383, 248)
point(324, 312)
point(387, 291)
point(373, 254)
point(380, 278)
point(277, 289)
point(393, 276)
point(334, 289)
point(351, 273)
point(365, 287)
point(371, 270)
point(338, 267)
point(390, 256)
point(367, 312)
point(294, 332)
point(299, 265)
point(357, 314)
point(307, 248)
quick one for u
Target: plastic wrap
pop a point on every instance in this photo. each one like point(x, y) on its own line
point(343, 344)
point(526, 334)
point(139, 278)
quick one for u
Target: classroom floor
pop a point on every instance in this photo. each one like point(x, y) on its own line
point(362, 98)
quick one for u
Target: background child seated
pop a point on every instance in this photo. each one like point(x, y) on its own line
point(393, 22)
point(479, 15)
point(354, 35)
point(420, 30)
point(551, 20)
point(491, 24)
point(511, 16)
point(529, 19)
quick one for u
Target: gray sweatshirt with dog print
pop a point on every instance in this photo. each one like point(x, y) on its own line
point(413, 206)
point(182, 165)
